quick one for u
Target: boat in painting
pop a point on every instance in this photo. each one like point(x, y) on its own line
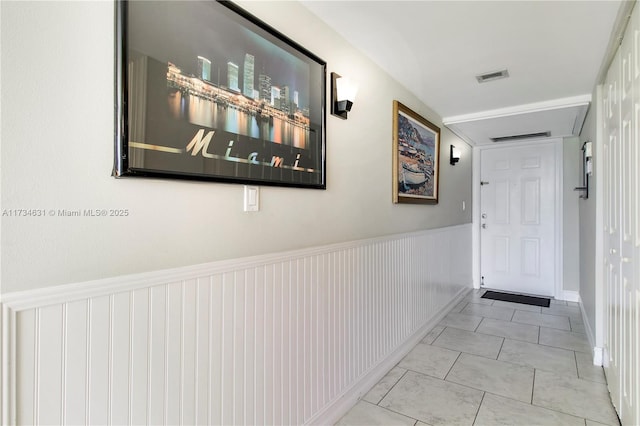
point(410, 174)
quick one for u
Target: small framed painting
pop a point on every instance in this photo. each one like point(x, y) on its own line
point(416, 153)
point(207, 91)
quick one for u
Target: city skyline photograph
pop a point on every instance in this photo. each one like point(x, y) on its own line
point(216, 94)
point(169, 32)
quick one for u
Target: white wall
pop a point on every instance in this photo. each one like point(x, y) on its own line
point(57, 150)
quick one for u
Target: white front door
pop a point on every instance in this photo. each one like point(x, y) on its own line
point(518, 215)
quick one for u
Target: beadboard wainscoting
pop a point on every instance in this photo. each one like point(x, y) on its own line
point(288, 338)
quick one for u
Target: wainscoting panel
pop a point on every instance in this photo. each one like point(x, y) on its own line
point(276, 339)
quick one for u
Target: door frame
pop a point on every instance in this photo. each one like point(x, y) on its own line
point(558, 217)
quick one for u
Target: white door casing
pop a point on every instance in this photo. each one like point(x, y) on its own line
point(518, 208)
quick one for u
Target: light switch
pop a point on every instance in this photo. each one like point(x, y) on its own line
point(251, 198)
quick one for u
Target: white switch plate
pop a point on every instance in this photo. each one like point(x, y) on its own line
point(251, 198)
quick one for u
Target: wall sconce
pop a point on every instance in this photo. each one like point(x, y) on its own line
point(343, 94)
point(587, 169)
point(454, 155)
point(587, 147)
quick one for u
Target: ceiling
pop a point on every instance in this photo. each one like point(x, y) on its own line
point(553, 50)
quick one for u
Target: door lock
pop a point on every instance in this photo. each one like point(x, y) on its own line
point(484, 226)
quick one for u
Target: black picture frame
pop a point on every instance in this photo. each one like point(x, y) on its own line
point(207, 91)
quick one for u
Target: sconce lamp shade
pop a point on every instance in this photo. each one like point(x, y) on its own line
point(343, 94)
point(454, 155)
point(588, 150)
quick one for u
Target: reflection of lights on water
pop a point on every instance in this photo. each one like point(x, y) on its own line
point(241, 115)
point(276, 131)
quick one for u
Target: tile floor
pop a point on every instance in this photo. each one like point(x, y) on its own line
point(494, 363)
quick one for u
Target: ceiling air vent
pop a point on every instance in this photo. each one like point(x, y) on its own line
point(490, 76)
point(520, 137)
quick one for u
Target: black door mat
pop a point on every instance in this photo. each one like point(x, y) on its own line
point(517, 298)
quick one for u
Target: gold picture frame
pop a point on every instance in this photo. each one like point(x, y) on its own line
point(416, 157)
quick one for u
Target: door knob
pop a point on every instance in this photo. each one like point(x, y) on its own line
point(484, 226)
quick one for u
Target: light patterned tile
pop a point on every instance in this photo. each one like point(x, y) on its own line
point(498, 411)
point(564, 339)
point(592, 423)
point(477, 299)
point(471, 343)
point(574, 396)
point(430, 360)
point(385, 384)
point(573, 311)
point(462, 321)
point(575, 319)
point(489, 311)
point(556, 360)
point(501, 378)
point(459, 307)
point(517, 306)
point(433, 401)
point(588, 371)
point(433, 334)
point(509, 329)
point(552, 321)
point(367, 414)
point(577, 325)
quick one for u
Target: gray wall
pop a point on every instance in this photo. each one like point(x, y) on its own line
point(571, 155)
point(587, 221)
point(57, 148)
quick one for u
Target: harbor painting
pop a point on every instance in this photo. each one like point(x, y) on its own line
point(416, 149)
point(207, 91)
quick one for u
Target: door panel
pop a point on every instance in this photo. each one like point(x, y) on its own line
point(518, 228)
point(531, 201)
point(502, 208)
point(501, 254)
point(531, 256)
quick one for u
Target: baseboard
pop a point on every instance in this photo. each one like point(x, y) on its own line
point(598, 356)
point(341, 406)
point(596, 351)
point(571, 296)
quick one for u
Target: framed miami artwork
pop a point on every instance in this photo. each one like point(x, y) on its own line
point(206, 91)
